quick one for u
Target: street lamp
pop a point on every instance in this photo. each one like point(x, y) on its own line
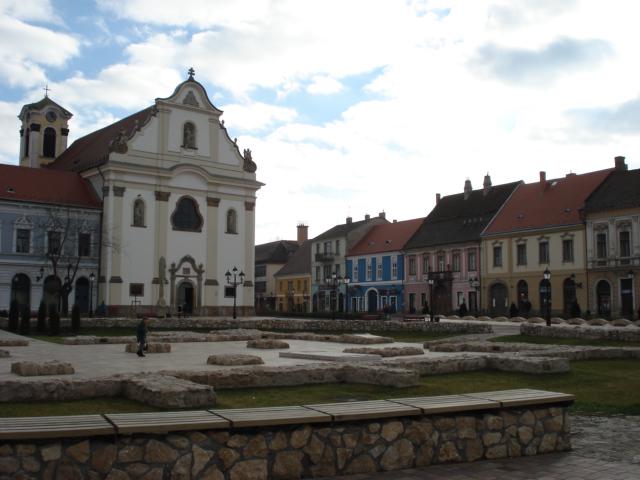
point(547, 277)
point(92, 278)
point(333, 282)
point(430, 281)
point(234, 283)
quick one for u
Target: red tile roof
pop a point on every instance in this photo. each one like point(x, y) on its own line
point(93, 149)
point(541, 205)
point(42, 185)
point(387, 237)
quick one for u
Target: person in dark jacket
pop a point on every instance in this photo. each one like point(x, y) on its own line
point(141, 335)
point(513, 310)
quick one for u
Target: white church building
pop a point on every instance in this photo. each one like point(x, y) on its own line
point(178, 202)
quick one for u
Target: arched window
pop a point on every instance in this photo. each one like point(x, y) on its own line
point(186, 216)
point(232, 221)
point(138, 213)
point(189, 135)
point(49, 143)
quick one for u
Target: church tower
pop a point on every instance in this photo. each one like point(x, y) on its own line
point(43, 133)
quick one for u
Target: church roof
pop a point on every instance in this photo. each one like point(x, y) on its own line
point(299, 263)
point(551, 203)
point(387, 237)
point(275, 252)
point(621, 189)
point(39, 185)
point(41, 104)
point(93, 149)
point(456, 219)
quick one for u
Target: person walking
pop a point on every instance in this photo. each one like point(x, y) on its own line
point(141, 335)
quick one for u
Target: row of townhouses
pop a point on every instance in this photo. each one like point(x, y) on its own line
point(555, 246)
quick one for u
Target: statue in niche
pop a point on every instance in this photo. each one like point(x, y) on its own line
point(189, 136)
point(138, 213)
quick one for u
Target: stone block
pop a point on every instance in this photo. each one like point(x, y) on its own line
point(267, 344)
point(151, 348)
point(13, 342)
point(234, 359)
point(4, 354)
point(169, 392)
point(31, 369)
point(387, 352)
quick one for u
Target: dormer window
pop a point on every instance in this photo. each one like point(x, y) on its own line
point(189, 136)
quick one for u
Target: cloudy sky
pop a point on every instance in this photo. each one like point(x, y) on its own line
point(349, 106)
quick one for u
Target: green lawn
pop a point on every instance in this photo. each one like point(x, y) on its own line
point(600, 386)
point(563, 341)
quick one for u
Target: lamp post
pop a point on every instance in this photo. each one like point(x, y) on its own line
point(92, 278)
point(234, 283)
point(430, 281)
point(333, 282)
point(547, 278)
point(346, 281)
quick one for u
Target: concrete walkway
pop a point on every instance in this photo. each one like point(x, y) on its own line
point(603, 448)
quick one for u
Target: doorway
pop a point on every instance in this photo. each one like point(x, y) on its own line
point(372, 301)
point(626, 298)
point(498, 299)
point(21, 291)
point(186, 297)
point(603, 295)
point(82, 294)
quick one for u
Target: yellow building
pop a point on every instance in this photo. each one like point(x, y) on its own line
point(293, 282)
point(539, 229)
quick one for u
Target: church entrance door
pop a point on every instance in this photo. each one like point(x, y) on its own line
point(186, 297)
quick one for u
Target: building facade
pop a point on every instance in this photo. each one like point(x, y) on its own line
point(49, 236)
point(178, 203)
point(375, 267)
point(328, 258)
point(612, 214)
point(293, 282)
point(446, 249)
point(538, 230)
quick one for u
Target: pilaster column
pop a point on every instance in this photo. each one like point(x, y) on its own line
point(115, 275)
point(211, 269)
point(34, 144)
point(160, 242)
point(249, 253)
point(105, 251)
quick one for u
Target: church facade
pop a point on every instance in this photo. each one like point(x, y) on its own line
point(177, 197)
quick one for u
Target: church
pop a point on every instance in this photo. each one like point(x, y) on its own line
point(176, 199)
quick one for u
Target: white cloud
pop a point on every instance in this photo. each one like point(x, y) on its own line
point(323, 85)
point(29, 10)
point(256, 116)
point(9, 128)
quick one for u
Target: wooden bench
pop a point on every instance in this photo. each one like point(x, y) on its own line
point(257, 417)
point(447, 403)
point(164, 422)
point(54, 427)
point(523, 396)
point(345, 411)
point(414, 318)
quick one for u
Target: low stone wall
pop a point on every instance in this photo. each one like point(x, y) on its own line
point(34, 369)
point(623, 334)
point(300, 451)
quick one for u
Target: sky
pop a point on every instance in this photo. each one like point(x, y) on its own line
point(350, 107)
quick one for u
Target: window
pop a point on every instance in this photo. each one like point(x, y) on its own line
point(394, 269)
point(379, 269)
point(425, 263)
point(186, 217)
point(23, 240)
point(337, 270)
point(522, 254)
point(232, 221)
point(337, 247)
point(49, 143)
point(412, 265)
point(305, 286)
point(471, 260)
point(460, 296)
point(318, 279)
point(369, 269)
point(261, 270)
point(229, 292)
point(136, 289)
point(441, 262)
point(53, 242)
point(423, 299)
point(601, 245)
point(189, 135)
point(327, 248)
point(567, 250)
point(625, 244)
point(497, 256)
point(327, 271)
point(138, 213)
point(455, 260)
point(317, 248)
point(543, 252)
point(84, 244)
point(355, 271)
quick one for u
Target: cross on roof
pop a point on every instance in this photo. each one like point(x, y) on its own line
point(191, 73)
point(46, 90)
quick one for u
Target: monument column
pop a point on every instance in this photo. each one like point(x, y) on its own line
point(210, 299)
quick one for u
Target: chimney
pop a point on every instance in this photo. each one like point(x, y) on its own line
point(303, 233)
point(382, 215)
point(467, 188)
point(437, 198)
point(349, 220)
point(486, 185)
point(367, 217)
point(620, 165)
point(543, 181)
point(395, 221)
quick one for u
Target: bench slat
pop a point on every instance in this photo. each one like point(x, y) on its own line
point(524, 396)
point(364, 410)
point(255, 417)
point(163, 422)
point(447, 403)
point(54, 427)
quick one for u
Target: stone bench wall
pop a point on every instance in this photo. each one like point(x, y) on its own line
point(293, 452)
point(623, 334)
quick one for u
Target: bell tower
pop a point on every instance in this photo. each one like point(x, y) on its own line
point(43, 133)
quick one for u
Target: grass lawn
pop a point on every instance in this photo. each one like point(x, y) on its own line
point(563, 341)
point(600, 386)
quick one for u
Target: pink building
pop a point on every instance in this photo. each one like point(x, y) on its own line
point(446, 248)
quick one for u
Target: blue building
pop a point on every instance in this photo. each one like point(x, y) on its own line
point(376, 268)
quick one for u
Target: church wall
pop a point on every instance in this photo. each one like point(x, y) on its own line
point(147, 139)
point(228, 153)
point(177, 119)
point(230, 250)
